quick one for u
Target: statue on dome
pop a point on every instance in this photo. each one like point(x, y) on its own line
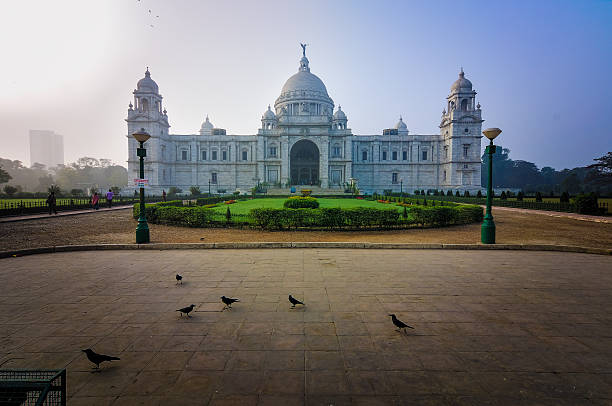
point(303, 49)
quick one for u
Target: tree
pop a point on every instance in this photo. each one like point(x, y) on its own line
point(54, 189)
point(195, 191)
point(479, 194)
point(571, 183)
point(10, 190)
point(4, 176)
point(76, 192)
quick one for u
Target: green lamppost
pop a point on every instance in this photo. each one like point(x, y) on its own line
point(402, 188)
point(142, 230)
point(487, 232)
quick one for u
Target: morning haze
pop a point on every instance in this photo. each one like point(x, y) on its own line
point(540, 68)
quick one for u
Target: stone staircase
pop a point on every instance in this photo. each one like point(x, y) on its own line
point(316, 191)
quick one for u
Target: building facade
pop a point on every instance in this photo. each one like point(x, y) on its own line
point(47, 148)
point(304, 140)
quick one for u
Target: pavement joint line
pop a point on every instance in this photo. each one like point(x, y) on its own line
point(303, 245)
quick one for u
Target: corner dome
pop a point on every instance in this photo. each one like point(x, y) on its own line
point(400, 126)
point(147, 84)
point(207, 127)
point(339, 114)
point(461, 84)
point(269, 114)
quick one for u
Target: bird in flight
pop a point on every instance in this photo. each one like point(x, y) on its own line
point(399, 324)
point(179, 278)
point(186, 310)
point(294, 301)
point(98, 358)
point(228, 302)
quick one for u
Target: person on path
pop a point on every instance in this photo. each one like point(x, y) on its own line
point(52, 203)
point(164, 195)
point(95, 199)
point(109, 198)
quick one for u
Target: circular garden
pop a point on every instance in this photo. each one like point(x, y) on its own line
point(305, 212)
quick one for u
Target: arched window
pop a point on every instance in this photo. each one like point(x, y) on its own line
point(452, 105)
point(145, 104)
point(464, 105)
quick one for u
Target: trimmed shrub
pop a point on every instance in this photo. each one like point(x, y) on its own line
point(449, 193)
point(445, 215)
point(228, 215)
point(520, 195)
point(416, 192)
point(565, 198)
point(586, 203)
point(457, 194)
point(503, 195)
point(301, 202)
point(479, 194)
point(538, 197)
point(466, 193)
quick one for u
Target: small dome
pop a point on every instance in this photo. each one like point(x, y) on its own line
point(339, 114)
point(461, 84)
point(269, 114)
point(147, 84)
point(207, 127)
point(401, 126)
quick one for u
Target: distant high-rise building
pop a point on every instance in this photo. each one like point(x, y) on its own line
point(47, 148)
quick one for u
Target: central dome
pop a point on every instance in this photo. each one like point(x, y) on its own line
point(304, 80)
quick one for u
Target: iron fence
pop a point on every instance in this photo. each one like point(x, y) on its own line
point(33, 387)
point(24, 207)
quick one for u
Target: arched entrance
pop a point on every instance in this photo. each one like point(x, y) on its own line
point(304, 163)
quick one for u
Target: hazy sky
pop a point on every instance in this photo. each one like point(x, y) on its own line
point(542, 69)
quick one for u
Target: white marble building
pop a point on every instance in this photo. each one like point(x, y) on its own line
point(302, 141)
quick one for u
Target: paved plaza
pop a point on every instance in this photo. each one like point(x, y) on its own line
point(491, 327)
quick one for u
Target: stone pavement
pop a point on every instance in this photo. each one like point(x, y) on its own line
point(491, 327)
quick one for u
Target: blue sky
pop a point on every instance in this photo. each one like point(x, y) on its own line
point(541, 68)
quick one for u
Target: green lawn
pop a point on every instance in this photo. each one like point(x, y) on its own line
point(243, 207)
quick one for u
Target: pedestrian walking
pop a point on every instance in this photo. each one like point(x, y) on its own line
point(51, 201)
point(109, 198)
point(164, 195)
point(95, 201)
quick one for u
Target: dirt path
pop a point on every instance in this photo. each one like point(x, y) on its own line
point(118, 227)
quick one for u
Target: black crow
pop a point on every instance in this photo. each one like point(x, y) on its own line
point(98, 358)
point(228, 302)
point(179, 278)
point(399, 324)
point(186, 310)
point(294, 301)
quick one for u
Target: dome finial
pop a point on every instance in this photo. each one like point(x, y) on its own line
point(461, 74)
point(147, 73)
point(303, 49)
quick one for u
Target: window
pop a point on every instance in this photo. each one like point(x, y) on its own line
point(384, 157)
point(224, 155)
point(444, 175)
point(203, 155)
point(467, 130)
point(163, 174)
point(244, 155)
point(214, 155)
point(445, 152)
point(395, 155)
point(184, 155)
point(465, 150)
point(272, 175)
point(464, 104)
point(336, 151)
point(465, 166)
point(394, 177)
point(424, 155)
point(364, 155)
point(213, 178)
point(272, 152)
point(405, 155)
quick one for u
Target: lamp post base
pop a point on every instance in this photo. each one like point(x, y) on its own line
point(142, 232)
point(487, 231)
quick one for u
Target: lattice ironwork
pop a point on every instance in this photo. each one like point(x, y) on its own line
point(32, 387)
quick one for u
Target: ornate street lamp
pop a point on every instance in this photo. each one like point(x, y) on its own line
point(402, 188)
point(142, 230)
point(487, 231)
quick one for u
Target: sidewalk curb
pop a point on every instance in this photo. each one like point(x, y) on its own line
point(280, 245)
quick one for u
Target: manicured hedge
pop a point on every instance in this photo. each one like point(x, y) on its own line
point(301, 202)
point(445, 215)
point(326, 217)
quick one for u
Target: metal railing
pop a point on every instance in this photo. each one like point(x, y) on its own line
point(17, 207)
point(33, 387)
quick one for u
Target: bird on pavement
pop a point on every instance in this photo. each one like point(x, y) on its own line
point(179, 278)
point(186, 310)
point(399, 324)
point(294, 301)
point(98, 358)
point(228, 302)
